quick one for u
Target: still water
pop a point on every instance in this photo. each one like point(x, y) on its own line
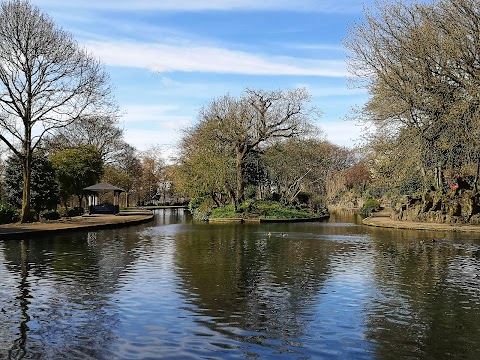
point(173, 289)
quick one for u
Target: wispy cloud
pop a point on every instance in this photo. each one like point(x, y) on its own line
point(170, 58)
point(314, 47)
point(159, 114)
point(144, 139)
point(329, 6)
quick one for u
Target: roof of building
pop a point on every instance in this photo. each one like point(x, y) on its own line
point(103, 187)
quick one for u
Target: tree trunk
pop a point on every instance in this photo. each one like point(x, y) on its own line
point(235, 203)
point(439, 177)
point(477, 175)
point(27, 215)
point(80, 200)
point(239, 167)
point(214, 198)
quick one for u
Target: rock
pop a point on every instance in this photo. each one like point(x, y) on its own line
point(454, 208)
point(475, 219)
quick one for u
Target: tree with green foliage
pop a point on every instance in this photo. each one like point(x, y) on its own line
point(206, 168)
point(239, 126)
point(44, 189)
point(103, 132)
point(76, 169)
point(47, 81)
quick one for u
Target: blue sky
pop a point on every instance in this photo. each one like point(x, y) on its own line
point(168, 58)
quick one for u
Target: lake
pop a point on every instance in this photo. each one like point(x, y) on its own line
point(176, 289)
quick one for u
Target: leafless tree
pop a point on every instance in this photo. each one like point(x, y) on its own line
point(101, 131)
point(419, 62)
point(47, 81)
point(258, 116)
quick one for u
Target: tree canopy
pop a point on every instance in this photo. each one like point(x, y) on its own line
point(44, 190)
point(76, 169)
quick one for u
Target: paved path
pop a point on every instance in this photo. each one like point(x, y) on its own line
point(75, 223)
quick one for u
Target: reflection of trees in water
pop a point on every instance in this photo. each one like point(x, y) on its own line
point(345, 216)
point(62, 287)
point(427, 307)
point(248, 285)
point(171, 216)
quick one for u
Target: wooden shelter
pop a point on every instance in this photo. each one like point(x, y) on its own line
point(94, 207)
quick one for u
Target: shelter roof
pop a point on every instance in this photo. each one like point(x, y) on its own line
point(103, 187)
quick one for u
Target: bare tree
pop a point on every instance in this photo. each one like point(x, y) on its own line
point(420, 63)
point(256, 117)
point(46, 82)
point(100, 131)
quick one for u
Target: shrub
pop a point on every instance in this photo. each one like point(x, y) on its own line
point(50, 215)
point(75, 212)
point(8, 214)
point(369, 206)
point(201, 208)
point(227, 211)
point(195, 203)
point(303, 197)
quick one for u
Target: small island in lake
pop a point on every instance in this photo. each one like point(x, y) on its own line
point(261, 211)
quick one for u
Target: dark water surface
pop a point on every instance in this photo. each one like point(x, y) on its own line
point(173, 289)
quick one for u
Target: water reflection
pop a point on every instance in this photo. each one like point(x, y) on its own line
point(428, 302)
point(179, 289)
point(56, 294)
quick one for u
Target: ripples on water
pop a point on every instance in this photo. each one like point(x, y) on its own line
point(179, 290)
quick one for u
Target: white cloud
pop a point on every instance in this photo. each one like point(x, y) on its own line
point(328, 6)
point(160, 115)
point(330, 91)
point(165, 140)
point(343, 133)
point(169, 58)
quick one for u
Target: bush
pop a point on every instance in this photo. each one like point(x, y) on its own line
point(50, 215)
point(303, 197)
point(260, 209)
point(369, 206)
point(75, 212)
point(201, 208)
point(227, 211)
point(8, 214)
point(195, 203)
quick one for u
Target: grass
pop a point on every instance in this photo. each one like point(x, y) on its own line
point(252, 209)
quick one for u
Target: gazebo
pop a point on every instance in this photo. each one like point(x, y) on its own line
point(94, 207)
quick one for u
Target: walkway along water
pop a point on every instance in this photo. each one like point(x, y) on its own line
point(383, 219)
point(126, 218)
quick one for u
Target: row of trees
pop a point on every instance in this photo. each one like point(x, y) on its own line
point(59, 121)
point(421, 65)
point(62, 167)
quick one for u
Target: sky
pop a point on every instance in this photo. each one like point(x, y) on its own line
point(168, 58)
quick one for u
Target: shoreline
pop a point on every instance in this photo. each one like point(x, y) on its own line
point(263, 220)
point(85, 222)
point(387, 222)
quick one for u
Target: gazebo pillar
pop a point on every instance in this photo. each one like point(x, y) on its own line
point(116, 201)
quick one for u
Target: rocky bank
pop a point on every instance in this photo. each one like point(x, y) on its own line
point(453, 206)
